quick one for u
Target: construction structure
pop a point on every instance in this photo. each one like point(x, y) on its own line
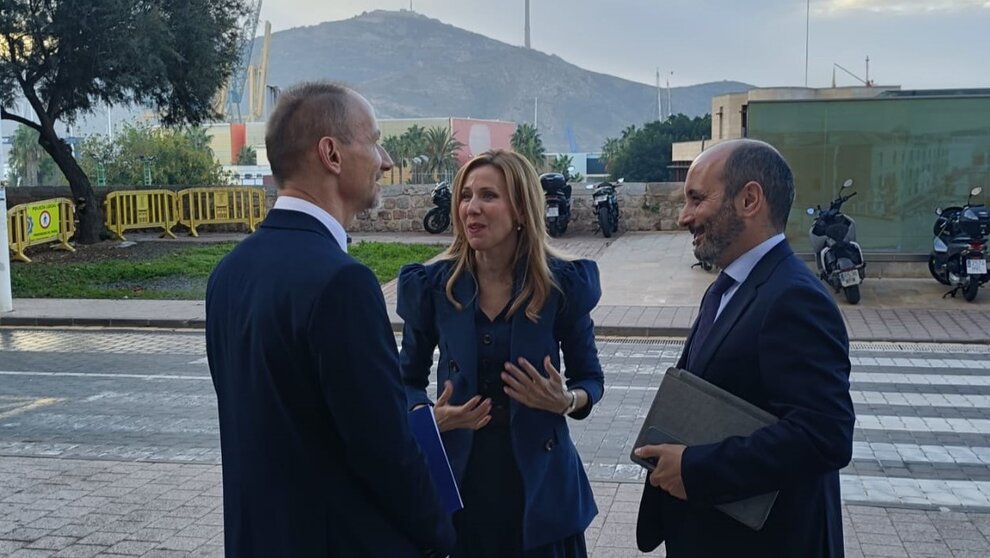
point(243, 123)
point(228, 100)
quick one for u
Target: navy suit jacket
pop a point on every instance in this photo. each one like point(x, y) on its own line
point(557, 496)
point(318, 456)
point(780, 344)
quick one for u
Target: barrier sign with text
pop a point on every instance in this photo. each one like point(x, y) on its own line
point(42, 221)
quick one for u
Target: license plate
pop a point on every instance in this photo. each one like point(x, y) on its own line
point(553, 211)
point(599, 199)
point(849, 278)
point(976, 267)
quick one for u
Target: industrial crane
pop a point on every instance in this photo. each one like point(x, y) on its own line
point(228, 99)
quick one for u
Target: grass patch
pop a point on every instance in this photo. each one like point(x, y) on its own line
point(178, 275)
point(385, 258)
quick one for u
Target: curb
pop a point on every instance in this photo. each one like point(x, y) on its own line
point(600, 330)
point(102, 322)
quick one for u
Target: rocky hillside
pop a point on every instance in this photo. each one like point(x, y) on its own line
point(409, 65)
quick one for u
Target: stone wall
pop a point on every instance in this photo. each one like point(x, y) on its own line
point(642, 207)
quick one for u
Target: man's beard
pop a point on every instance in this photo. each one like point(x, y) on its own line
point(725, 226)
point(375, 203)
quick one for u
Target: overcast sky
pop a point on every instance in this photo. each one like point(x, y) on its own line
point(918, 44)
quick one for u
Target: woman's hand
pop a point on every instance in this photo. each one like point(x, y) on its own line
point(524, 384)
point(473, 414)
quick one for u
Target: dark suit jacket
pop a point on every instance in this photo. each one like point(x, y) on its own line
point(780, 344)
point(318, 456)
point(557, 496)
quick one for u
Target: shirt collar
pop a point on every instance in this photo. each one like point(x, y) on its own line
point(743, 265)
point(332, 225)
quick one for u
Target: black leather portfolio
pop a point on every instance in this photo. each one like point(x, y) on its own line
point(690, 411)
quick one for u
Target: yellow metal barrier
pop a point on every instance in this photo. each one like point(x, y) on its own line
point(140, 209)
point(221, 206)
point(31, 224)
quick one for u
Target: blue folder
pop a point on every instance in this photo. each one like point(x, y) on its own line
point(424, 427)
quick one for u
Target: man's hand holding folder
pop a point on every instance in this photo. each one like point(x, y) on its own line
point(666, 474)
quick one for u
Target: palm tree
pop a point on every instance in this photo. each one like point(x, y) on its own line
point(396, 148)
point(441, 150)
point(30, 164)
point(414, 144)
point(247, 156)
point(610, 151)
point(199, 139)
point(526, 141)
point(562, 164)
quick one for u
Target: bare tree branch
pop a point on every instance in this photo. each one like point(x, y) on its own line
point(20, 119)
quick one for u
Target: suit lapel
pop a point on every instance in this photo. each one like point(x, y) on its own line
point(741, 300)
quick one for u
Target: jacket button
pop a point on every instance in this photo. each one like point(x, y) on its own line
point(452, 365)
point(486, 339)
point(548, 446)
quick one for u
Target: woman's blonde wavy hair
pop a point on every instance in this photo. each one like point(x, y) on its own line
point(527, 203)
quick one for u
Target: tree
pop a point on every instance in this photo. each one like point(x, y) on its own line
point(398, 150)
point(200, 141)
point(29, 164)
point(174, 158)
point(526, 141)
point(246, 156)
point(67, 57)
point(563, 164)
point(414, 148)
point(643, 155)
point(441, 149)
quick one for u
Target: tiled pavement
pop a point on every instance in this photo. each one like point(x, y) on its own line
point(78, 508)
point(108, 441)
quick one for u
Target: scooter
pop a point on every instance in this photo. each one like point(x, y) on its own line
point(606, 206)
point(438, 219)
point(838, 257)
point(958, 257)
point(558, 202)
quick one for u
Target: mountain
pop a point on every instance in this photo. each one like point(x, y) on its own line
point(409, 65)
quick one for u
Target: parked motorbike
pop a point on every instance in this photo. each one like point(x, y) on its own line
point(606, 206)
point(958, 257)
point(558, 202)
point(438, 219)
point(837, 254)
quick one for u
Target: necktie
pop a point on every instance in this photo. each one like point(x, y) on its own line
point(706, 316)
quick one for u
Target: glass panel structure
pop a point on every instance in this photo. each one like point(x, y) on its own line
point(906, 155)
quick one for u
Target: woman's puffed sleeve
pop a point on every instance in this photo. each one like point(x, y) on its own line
point(581, 291)
point(581, 286)
point(414, 304)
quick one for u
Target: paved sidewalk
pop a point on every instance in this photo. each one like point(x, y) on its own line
point(83, 508)
point(649, 289)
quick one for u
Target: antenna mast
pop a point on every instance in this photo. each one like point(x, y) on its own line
point(527, 25)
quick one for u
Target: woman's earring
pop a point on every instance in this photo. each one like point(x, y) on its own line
point(519, 227)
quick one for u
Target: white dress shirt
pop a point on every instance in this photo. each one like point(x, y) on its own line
point(740, 269)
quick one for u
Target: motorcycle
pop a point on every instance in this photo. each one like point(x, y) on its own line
point(438, 219)
point(606, 206)
point(958, 257)
point(838, 257)
point(558, 202)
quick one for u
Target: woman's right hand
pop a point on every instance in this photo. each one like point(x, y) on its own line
point(473, 414)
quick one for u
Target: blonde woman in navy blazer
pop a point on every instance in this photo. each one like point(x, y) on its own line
point(502, 306)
